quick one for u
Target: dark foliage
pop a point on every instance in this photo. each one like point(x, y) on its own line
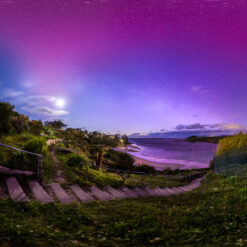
point(122, 161)
point(58, 124)
point(6, 114)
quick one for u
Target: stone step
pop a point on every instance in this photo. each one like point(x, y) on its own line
point(116, 193)
point(100, 194)
point(177, 190)
point(39, 193)
point(141, 192)
point(165, 191)
point(15, 191)
point(61, 194)
point(193, 185)
point(81, 194)
point(152, 191)
point(130, 193)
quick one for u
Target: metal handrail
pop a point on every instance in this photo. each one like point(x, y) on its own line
point(40, 156)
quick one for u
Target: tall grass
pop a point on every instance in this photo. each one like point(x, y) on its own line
point(231, 143)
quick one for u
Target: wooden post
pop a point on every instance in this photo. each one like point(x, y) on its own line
point(100, 157)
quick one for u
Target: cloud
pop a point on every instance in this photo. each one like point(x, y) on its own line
point(197, 129)
point(46, 111)
point(232, 126)
point(42, 105)
point(190, 126)
point(223, 126)
point(10, 93)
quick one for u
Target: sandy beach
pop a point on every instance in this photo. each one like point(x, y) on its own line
point(157, 165)
point(161, 163)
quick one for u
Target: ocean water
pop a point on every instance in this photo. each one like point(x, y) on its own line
point(173, 151)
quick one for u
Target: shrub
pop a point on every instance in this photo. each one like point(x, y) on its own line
point(145, 168)
point(17, 161)
point(211, 165)
point(20, 123)
point(36, 145)
point(35, 127)
point(76, 160)
point(123, 161)
point(6, 113)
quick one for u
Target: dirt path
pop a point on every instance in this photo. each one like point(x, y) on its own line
point(59, 175)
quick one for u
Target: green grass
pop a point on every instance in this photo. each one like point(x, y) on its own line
point(213, 215)
point(102, 178)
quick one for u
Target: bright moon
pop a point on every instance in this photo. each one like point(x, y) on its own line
point(60, 102)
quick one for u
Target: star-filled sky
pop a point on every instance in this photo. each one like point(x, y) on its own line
point(126, 65)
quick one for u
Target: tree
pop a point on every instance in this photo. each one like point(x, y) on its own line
point(58, 124)
point(6, 114)
point(125, 139)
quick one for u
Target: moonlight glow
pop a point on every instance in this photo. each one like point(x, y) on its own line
point(60, 102)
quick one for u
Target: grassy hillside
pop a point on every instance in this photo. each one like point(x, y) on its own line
point(213, 215)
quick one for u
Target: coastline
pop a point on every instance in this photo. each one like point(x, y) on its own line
point(131, 148)
point(172, 164)
point(157, 165)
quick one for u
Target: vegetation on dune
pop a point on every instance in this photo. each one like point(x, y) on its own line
point(231, 143)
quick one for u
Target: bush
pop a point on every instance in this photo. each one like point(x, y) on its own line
point(36, 145)
point(76, 160)
point(35, 127)
point(20, 123)
point(211, 165)
point(123, 161)
point(6, 113)
point(17, 161)
point(145, 168)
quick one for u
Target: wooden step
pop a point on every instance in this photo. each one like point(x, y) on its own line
point(81, 194)
point(15, 191)
point(61, 194)
point(100, 194)
point(39, 193)
point(116, 193)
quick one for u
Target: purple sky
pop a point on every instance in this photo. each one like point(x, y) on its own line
point(126, 65)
